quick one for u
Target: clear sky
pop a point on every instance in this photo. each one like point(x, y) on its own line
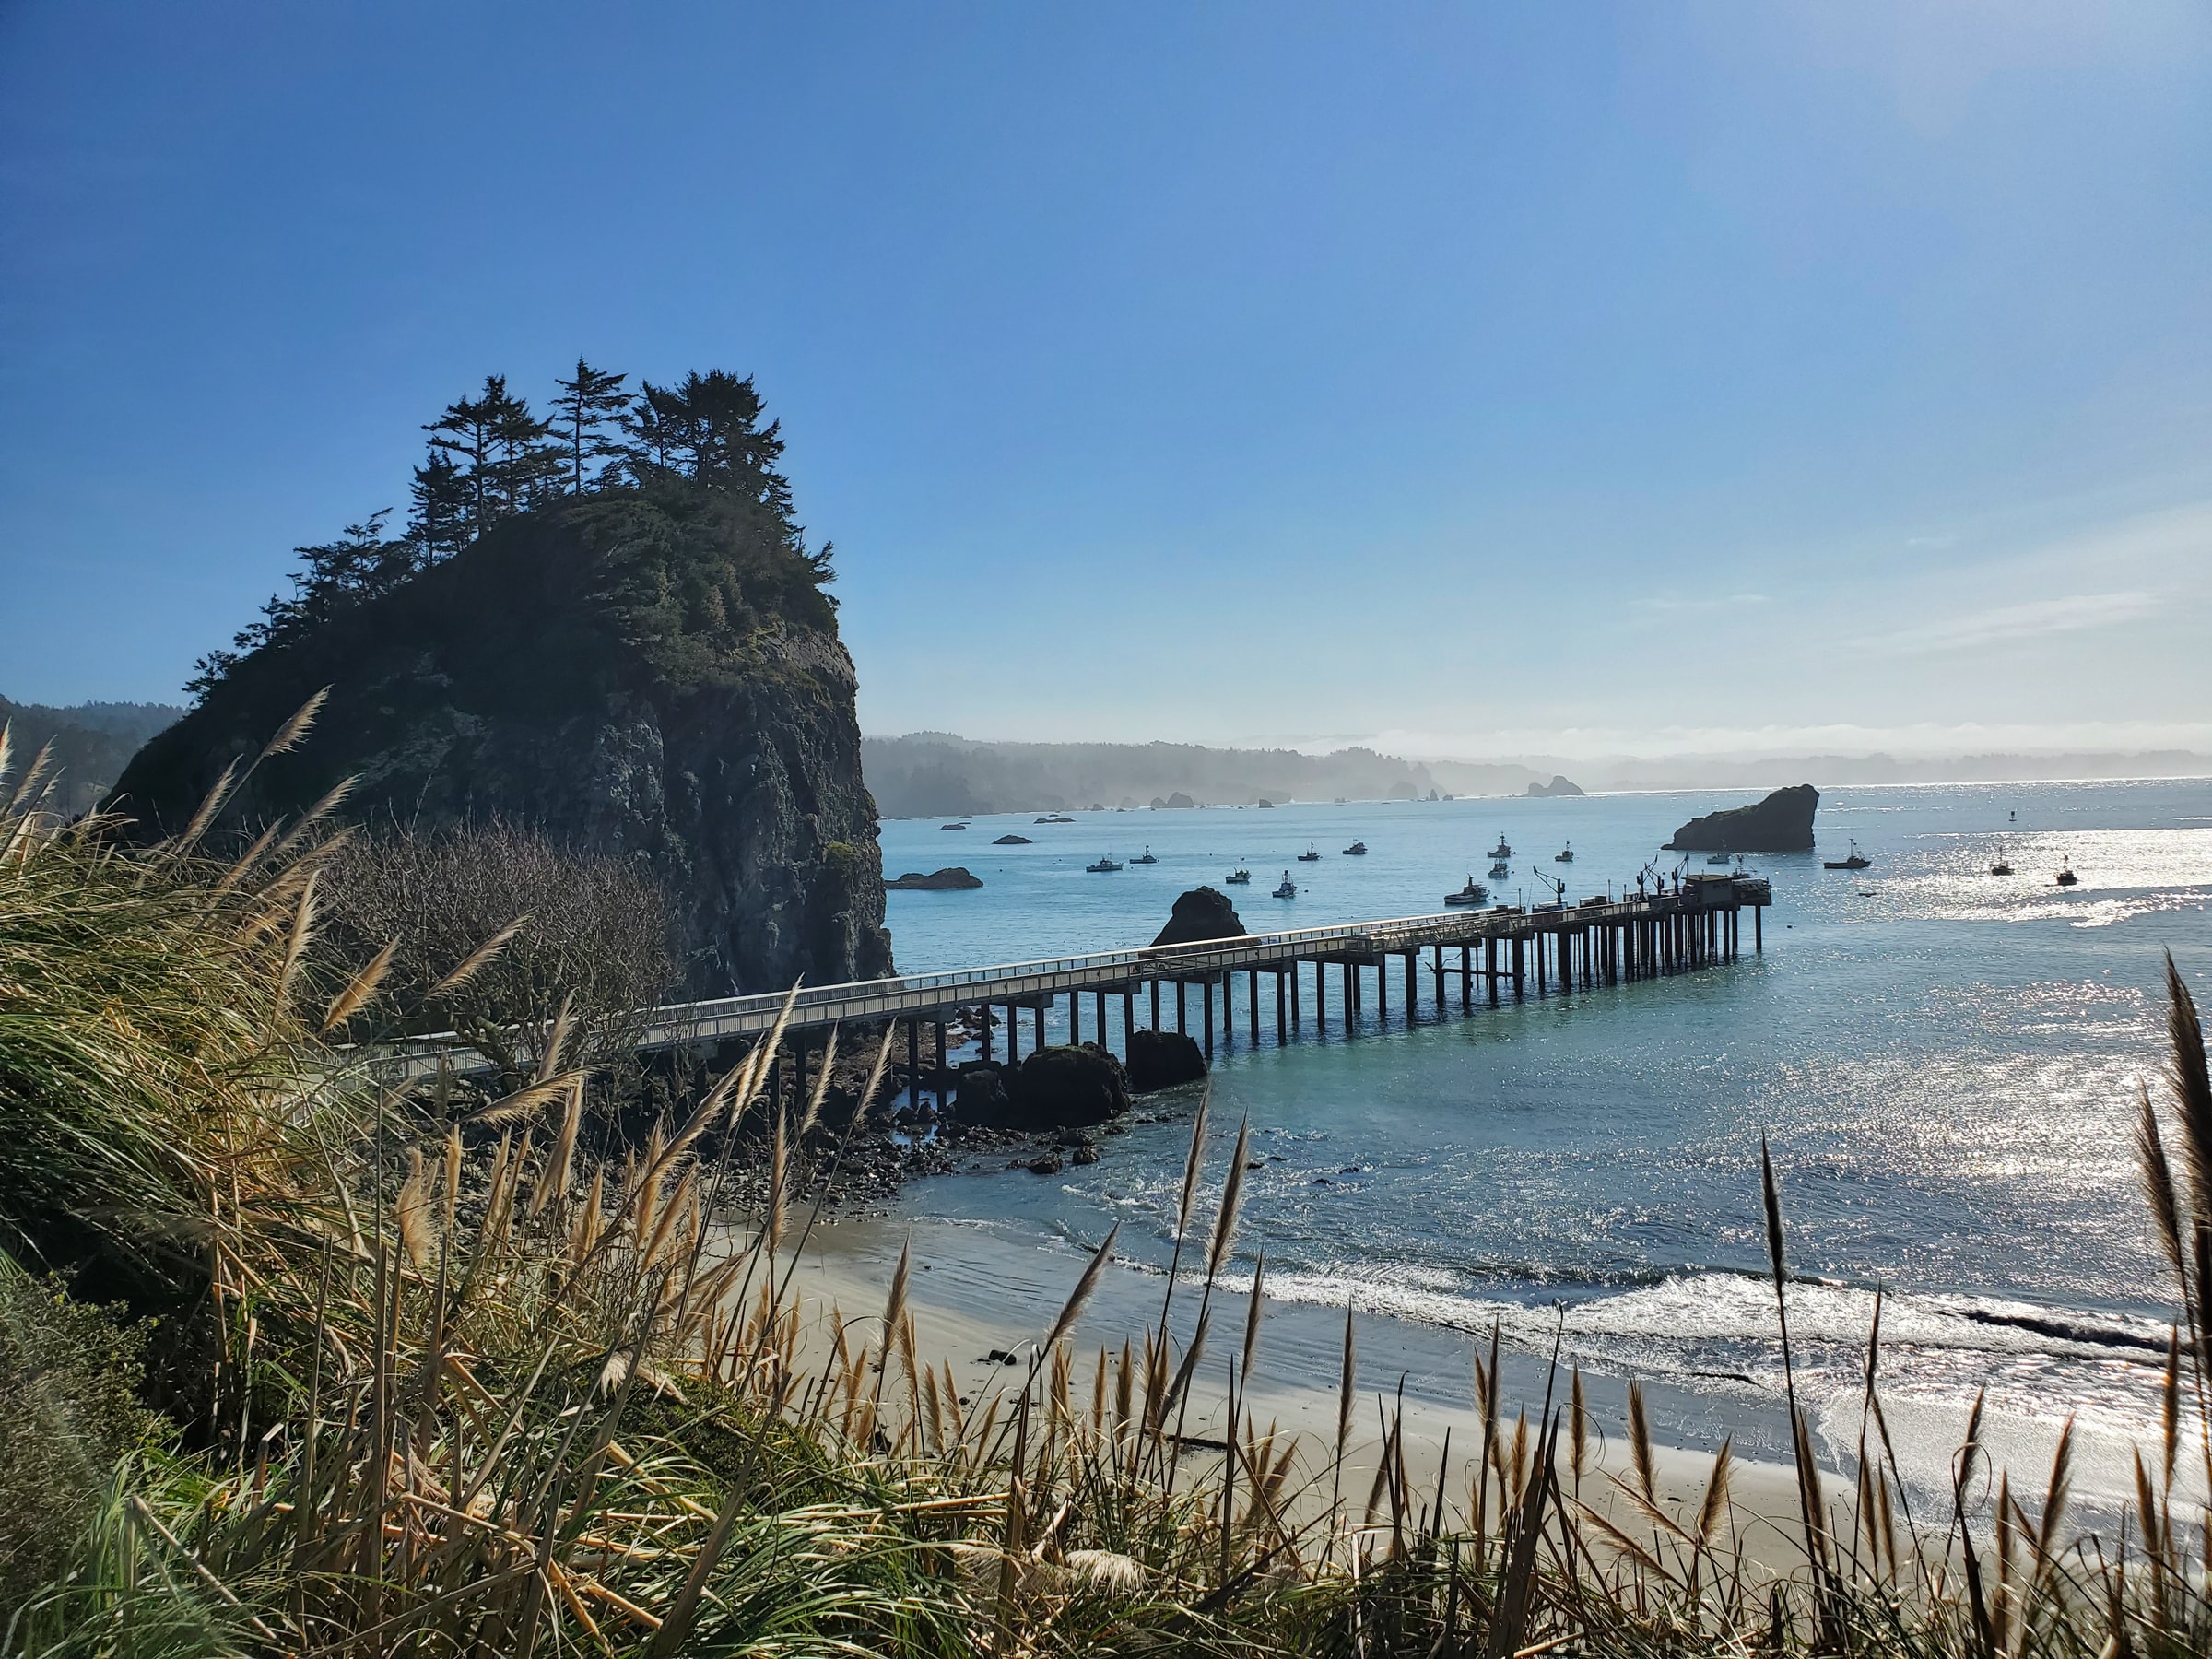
point(1486, 379)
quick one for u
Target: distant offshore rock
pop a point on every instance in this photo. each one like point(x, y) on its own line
point(955, 880)
point(1557, 786)
point(1178, 800)
point(1012, 840)
point(1200, 915)
point(1780, 823)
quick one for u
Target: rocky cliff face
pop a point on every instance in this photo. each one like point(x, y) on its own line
point(651, 672)
point(1780, 823)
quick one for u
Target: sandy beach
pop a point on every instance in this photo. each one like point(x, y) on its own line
point(974, 1295)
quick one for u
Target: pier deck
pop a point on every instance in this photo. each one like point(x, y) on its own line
point(1508, 951)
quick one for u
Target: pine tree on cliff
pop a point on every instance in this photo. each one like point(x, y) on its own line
point(589, 405)
point(437, 516)
point(497, 448)
point(706, 426)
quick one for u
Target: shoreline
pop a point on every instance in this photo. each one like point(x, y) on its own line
point(976, 1286)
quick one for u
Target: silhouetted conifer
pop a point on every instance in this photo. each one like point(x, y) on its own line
point(589, 405)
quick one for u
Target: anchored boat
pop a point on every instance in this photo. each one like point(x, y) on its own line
point(1104, 864)
point(1287, 889)
point(1565, 855)
point(1356, 850)
point(1148, 858)
point(1311, 855)
point(2065, 873)
point(1502, 850)
point(1472, 894)
point(1856, 860)
point(1240, 877)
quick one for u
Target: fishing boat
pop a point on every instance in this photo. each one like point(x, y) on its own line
point(1148, 858)
point(1240, 877)
point(1857, 861)
point(1472, 894)
point(1999, 867)
point(1565, 855)
point(1716, 858)
point(1356, 850)
point(1103, 864)
point(1502, 850)
point(1499, 869)
point(2066, 874)
point(1287, 888)
point(1311, 855)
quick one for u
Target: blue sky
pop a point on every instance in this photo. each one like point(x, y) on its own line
point(1485, 379)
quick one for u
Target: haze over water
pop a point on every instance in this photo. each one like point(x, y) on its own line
point(1945, 1062)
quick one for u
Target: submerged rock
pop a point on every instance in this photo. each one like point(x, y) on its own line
point(1011, 840)
point(1780, 823)
point(954, 881)
point(1162, 1060)
point(1200, 915)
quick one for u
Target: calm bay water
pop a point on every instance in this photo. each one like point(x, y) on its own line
point(1946, 1063)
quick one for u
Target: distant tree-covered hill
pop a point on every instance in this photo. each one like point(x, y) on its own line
point(935, 774)
point(93, 743)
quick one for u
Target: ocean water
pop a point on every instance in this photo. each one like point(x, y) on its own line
point(1945, 1062)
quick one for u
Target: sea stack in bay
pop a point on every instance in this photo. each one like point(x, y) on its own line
point(1780, 823)
point(1200, 915)
point(955, 880)
point(647, 670)
point(1557, 786)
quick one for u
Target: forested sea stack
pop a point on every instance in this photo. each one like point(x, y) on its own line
point(608, 628)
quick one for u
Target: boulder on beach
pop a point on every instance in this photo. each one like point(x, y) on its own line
point(1780, 823)
point(1011, 840)
point(980, 1096)
point(954, 881)
point(1162, 1060)
point(1557, 786)
point(1201, 913)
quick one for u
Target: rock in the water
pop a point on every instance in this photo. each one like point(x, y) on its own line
point(1780, 823)
point(1011, 840)
point(1201, 913)
point(1069, 1085)
point(1181, 800)
point(1164, 1059)
point(981, 1096)
point(1557, 786)
point(647, 673)
point(1046, 1163)
point(1085, 1153)
point(1053, 1089)
point(955, 880)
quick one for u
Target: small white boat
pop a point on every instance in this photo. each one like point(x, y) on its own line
point(1287, 890)
point(1716, 858)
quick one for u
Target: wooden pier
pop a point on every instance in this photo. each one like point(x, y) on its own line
point(1466, 956)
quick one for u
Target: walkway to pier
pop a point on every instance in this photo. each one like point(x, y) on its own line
point(1503, 952)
